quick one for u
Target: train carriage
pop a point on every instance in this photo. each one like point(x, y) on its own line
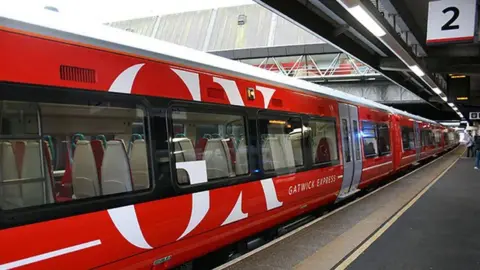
point(121, 151)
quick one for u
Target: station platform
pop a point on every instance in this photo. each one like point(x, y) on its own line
point(426, 219)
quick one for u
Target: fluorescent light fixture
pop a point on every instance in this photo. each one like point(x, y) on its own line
point(456, 109)
point(437, 90)
point(416, 69)
point(444, 98)
point(451, 104)
point(364, 18)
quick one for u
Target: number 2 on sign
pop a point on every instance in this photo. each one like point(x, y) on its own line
point(448, 25)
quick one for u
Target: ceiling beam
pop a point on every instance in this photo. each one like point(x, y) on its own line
point(308, 15)
point(404, 11)
point(277, 51)
point(341, 12)
point(393, 64)
point(319, 23)
point(380, 18)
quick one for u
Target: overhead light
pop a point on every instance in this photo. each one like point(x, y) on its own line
point(456, 109)
point(366, 20)
point(416, 69)
point(437, 90)
point(451, 104)
point(444, 98)
point(462, 98)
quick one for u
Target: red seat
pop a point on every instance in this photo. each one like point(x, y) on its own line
point(200, 148)
point(323, 151)
point(98, 152)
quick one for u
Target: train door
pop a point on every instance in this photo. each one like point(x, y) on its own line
point(418, 144)
point(352, 158)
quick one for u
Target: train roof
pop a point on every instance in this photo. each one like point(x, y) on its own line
point(51, 23)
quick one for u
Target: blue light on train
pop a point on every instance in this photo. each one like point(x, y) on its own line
point(256, 171)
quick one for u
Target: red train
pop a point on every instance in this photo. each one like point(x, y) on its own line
point(120, 151)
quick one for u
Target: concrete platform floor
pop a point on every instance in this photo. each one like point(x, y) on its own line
point(440, 231)
point(327, 242)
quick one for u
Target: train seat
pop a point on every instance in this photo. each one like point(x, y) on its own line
point(98, 152)
point(200, 148)
point(32, 193)
point(241, 164)
point(323, 151)
point(49, 180)
point(19, 151)
point(63, 157)
point(116, 177)
point(10, 195)
point(84, 172)
point(217, 158)
point(286, 153)
point(296, 145)
point(184, 150)
point(267, 155)
point(277, 152)
point(139, 165)
point(231, 153)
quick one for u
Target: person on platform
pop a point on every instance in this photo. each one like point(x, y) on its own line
point(476, 150)
point(469, 143)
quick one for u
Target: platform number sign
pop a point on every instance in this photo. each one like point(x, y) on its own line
point(475, 116)
point(451, 21)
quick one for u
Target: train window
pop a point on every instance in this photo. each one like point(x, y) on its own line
point(18, 119)
point(79, 152)
point(383, 139)
point(346, 141)
point(323, 138)
point(369, 132)
point(281, 142)
point(408, 138)
point(356, 138)
point(216, 139)
point(427, 138)
point(437, 136)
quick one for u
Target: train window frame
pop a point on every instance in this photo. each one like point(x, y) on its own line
point(426, 135)
point(410, 129)
point(381, 154)
point(284, 171)
point(206, 108)
point(328, 163)
point(374, 124)
point(61, 95)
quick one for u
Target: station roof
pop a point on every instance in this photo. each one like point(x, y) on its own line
point(404, 44)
